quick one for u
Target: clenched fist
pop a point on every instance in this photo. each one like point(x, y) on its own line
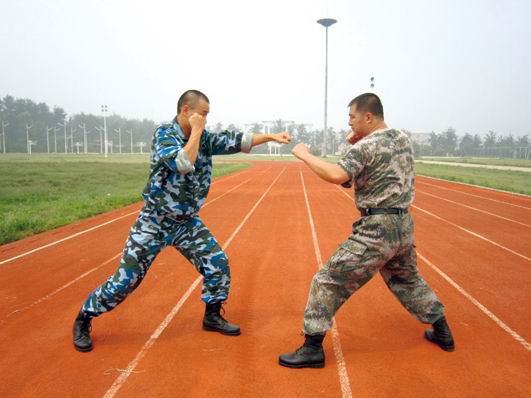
point(197, 122)
point(352, 138)
point(300, 150)
point(282, 138)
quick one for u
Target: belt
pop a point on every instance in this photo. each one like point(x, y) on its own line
point(372, 211)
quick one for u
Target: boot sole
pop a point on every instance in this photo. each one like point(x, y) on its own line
point(317, 365)
point(447, 348)
point(211, 329)
point(83, 349)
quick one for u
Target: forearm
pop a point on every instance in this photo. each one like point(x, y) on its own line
point(329, 172)
point(192, 146)
point(259, 139)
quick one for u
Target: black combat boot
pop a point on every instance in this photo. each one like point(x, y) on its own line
point(214, 322)
point(310, 355)
point(441, 335)
point(81, 332)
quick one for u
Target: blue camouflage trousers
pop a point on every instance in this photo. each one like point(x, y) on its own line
point(148, 236)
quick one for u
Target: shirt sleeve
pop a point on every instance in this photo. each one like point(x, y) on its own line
point(228, 142)
point(170, 151)
point(352, 163)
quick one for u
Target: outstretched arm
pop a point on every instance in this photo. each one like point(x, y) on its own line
point(282, 138)
point(327, 171)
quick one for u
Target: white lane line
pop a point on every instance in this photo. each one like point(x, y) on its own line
point(108, 261)
point(67, 238)
point(513, 334)
point(120, 380)
point(485, 310)
point(471, 194)
point(474, 208)
point(78, 234)
point(461, 228)
point(474, 234)
point(49, 295)
point(336, 341)
point(509, 193)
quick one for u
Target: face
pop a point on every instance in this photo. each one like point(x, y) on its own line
point(359, 122)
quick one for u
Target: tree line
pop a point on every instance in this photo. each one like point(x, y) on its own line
point(31, 127)
point(448, 143)
point(27, 127)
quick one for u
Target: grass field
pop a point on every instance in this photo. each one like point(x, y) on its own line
point(45, 192)
point(513, 181)
point(485, 161)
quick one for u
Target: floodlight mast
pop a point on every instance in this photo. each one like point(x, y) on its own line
point(4, 125)
point(326, 22)
point(104, 109)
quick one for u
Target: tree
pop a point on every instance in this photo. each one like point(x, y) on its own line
point(490, 140)
point(466, 144)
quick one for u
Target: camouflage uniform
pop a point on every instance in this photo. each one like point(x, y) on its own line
point(381, 167)
point(175, 192)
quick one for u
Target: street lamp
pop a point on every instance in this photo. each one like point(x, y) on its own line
point(28, 145)
point(372, 82)
point(326, 22)
point(119, 131)
point(4, 125)
point(104, 110)
point(84, 127)
point(130, 132)
point(63, 125)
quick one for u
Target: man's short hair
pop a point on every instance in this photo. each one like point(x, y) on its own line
point(190, 98)
point(368, 102)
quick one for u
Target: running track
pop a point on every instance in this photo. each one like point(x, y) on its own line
point(278, 223)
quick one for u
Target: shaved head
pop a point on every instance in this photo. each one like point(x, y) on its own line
point(190, 98)
point(368, 102)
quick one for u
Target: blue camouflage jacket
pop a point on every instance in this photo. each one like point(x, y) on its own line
point(176, 188)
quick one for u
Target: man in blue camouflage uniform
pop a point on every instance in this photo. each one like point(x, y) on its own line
point(380, 164)
point(181, 173)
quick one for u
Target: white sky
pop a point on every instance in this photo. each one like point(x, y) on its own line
point(436, 63)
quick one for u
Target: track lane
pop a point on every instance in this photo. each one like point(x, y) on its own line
point(268, 297)
point(30, 367)
point(61, 264)
point(383, 345)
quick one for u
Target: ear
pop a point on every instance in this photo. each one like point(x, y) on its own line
point(185, 109)
point(369, 117)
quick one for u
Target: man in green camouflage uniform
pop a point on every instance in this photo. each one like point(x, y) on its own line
point(181, 172)
point(380, 164)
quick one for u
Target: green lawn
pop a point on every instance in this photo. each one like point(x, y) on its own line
point(513, 181)
point(40, 192)
point(485, 161)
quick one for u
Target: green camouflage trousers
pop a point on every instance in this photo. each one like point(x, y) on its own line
point(148, 236)
point(383, 243)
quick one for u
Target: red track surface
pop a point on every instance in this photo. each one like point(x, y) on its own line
point(474, 250)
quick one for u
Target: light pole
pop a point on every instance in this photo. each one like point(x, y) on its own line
point(100, 130)
point(72, 131)
point(55, 130)
point(104, 110)
point(130, 132)
point(28, 126)
point(326, 22)
point(48, 129)
point(63, 125)
point(372, 82)
point(84, 127)
point(119, 131)
point(4, 125)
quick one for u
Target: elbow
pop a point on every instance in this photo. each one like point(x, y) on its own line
point(338, 179)
point(182, 161)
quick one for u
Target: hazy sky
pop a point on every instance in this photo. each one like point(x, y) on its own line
point(436, 63)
